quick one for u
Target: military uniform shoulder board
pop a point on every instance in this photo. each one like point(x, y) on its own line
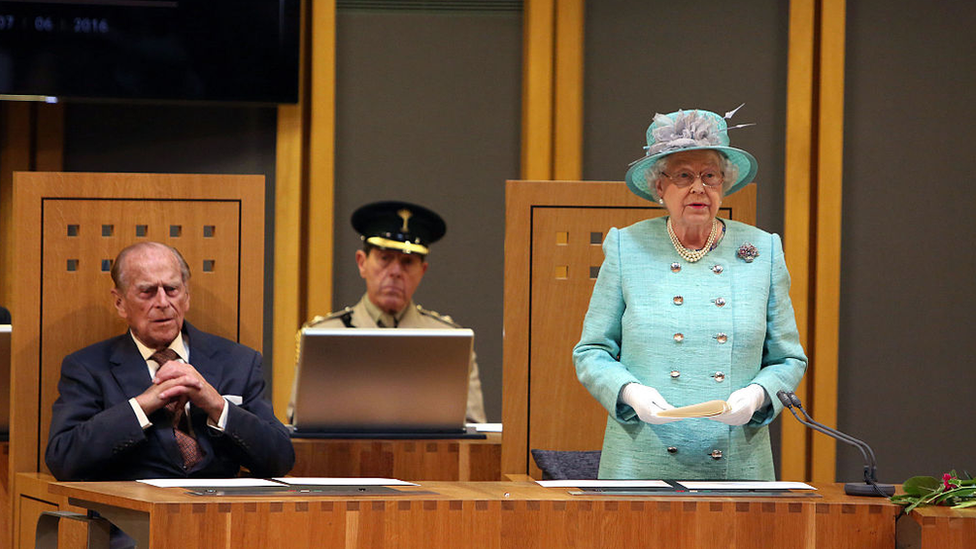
point(437, 316)
point(345, 315)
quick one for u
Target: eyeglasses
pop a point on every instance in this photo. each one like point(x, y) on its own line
point(709, 178)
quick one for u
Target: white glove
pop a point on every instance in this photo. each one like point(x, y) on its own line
point(647, 402)
point(743, 403)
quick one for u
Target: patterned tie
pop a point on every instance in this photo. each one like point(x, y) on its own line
point(187, 444)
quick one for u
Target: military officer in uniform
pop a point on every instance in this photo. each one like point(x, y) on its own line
point(396, 236)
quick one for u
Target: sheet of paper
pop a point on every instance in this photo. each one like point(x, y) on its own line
point(740, 485)
point(345, 481)
point(702, 409)
point(603, 483)
point(215, 482)
point(485, 427)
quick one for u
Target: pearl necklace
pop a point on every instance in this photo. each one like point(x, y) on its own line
point(693, 255)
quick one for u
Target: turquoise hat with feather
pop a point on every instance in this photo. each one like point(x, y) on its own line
point(689, 130)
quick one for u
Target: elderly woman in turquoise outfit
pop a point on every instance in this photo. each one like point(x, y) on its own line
point(689, 308)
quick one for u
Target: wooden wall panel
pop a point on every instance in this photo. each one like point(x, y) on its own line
point(15, 154)
point(829, 193)
point(537, 88)
point(798, 208)
point(304, 179)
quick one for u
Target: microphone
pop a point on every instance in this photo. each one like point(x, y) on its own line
point(871, 487)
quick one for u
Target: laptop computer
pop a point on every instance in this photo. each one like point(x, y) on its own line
point(382, 381)
point(4, 381)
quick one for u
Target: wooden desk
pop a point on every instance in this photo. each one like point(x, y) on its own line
point(937, 528)
point(416, 460)
point(486, 514)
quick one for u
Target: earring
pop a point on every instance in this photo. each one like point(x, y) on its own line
point(660, 201)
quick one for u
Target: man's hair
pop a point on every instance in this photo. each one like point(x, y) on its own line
point(118, 274)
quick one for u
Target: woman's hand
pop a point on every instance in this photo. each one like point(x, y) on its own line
point(647, 402)
point(743, 404)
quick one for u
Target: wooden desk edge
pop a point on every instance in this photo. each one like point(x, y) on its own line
point(142, 497)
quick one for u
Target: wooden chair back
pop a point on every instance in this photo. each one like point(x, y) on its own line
point(68, 228)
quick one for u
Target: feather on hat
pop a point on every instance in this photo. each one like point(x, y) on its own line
point(688, 131)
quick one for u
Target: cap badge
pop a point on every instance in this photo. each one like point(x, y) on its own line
point(405, 215)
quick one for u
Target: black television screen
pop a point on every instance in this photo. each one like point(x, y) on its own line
point(157, 50)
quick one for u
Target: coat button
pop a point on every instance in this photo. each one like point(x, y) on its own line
point(716, 454)
point(717, 269)
point(722, 337)
point(672, 450)
point(679, 337)
point(678, 300)
point(675, 374)
point(675, 267)
point(719, 301)
point(719, 377)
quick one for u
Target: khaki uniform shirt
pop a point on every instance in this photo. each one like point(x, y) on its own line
point(365, 314)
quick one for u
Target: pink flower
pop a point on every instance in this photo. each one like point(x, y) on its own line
point(945, 481)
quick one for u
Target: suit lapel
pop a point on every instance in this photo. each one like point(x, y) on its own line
point(202, 354)
point(128, 367)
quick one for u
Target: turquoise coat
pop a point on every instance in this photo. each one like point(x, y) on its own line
point(736, 327)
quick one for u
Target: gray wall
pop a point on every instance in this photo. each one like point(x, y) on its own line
point(644, 57)
point(428, 110)
point(907, 293)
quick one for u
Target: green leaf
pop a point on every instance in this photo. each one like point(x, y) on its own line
point(955, 493)
point(912, 506)
point(921, 486)
point(963, 505)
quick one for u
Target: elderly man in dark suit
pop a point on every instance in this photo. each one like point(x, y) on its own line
point(163, 400)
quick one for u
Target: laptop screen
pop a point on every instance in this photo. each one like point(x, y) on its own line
point(382, 380)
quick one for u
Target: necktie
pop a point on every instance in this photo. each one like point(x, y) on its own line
point(188, 445)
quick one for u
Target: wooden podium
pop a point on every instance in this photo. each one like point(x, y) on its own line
point(937, 528)
point(486, 514)
point(415, 460)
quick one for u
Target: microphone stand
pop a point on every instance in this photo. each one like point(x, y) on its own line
point(871, 487)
